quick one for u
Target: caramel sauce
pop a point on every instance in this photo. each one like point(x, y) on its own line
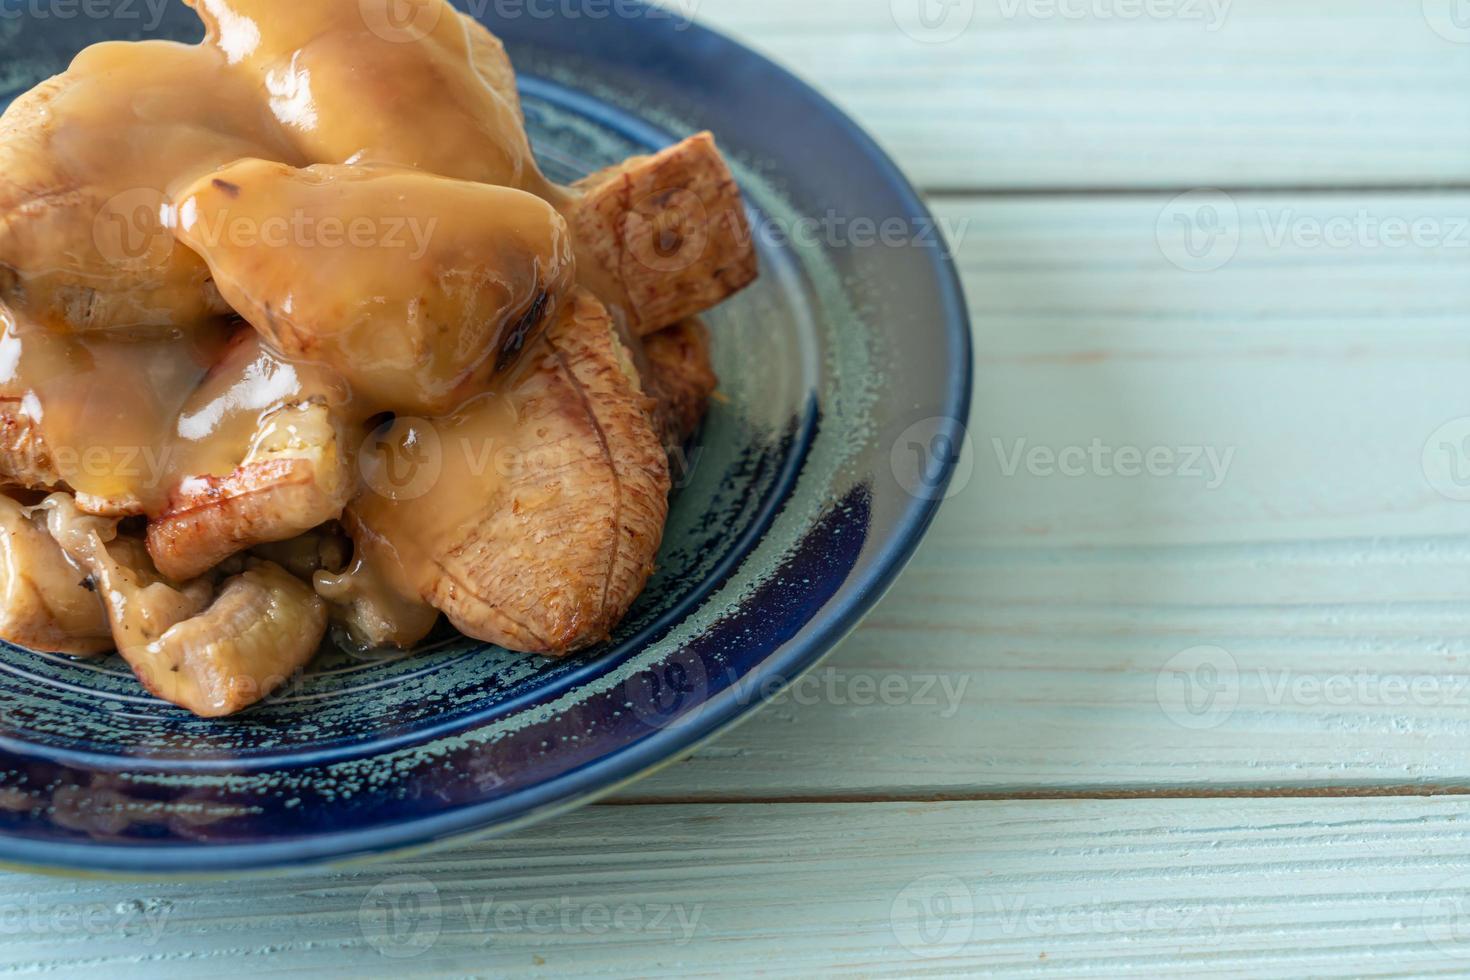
point(404, 82)
point(415, 287)
point(374, 613)
point(132, 419)
point(226, 414)
point(151, 178)
point(427, 481)
point(106, 406)
point(89, 161)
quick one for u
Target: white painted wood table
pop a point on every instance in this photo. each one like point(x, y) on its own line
point(1180, 682)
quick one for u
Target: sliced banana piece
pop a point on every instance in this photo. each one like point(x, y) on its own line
point(374, 615)
point(439, 287)
point(437, 97)
point(87, 160)
point(295, 477)
point(678, 373)
point(539, 525)
point(213, 654)
point(46, 602)
point(323, 549)
point(25, 461)
point(663, 237)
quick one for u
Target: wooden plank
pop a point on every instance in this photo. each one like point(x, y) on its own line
point(1219, 888)
point(1098, 93)
point(1326, 369)
point(1039, 642)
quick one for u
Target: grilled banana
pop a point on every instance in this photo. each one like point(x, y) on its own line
point(214, 654)
point(549, 505)
point(46, 603)
point(295, 477)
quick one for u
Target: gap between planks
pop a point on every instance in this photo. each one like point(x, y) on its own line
point(954, 193)
point(1057, 795)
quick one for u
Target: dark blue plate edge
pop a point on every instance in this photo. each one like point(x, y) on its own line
point(614, 771)
point(652, 137)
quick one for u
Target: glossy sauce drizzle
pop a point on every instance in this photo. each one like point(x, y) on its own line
point(377, 110)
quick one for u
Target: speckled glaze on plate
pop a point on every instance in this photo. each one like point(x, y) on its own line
point(845, 376)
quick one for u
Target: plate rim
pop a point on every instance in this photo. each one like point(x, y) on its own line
point(613, 771)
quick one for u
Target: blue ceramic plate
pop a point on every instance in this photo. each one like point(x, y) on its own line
point(845, 374)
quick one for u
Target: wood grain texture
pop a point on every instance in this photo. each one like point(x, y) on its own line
point(1038, 643)
point(1294, 622)
point(1234, 888)
point(1087, 93)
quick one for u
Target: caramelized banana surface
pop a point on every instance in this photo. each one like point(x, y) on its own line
point(305, 277)
point(531, 517)
point(402, 82)
point(413, 287)
point(90, 161)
